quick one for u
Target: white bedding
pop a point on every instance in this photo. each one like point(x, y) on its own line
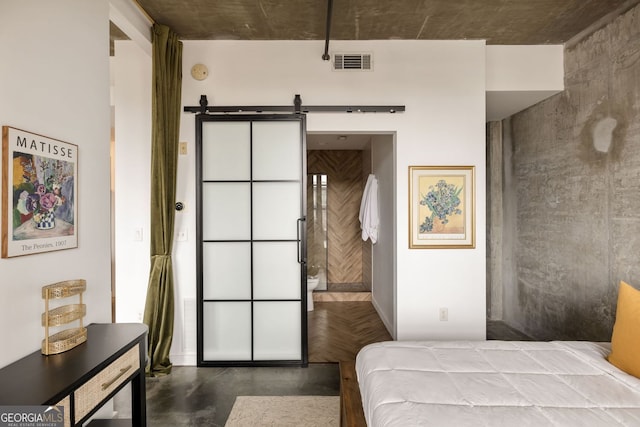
point(495, 383)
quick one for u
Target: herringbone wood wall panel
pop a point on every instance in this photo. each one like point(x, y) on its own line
point(345, 186)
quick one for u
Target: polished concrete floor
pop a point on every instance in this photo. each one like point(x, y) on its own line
point(193, 396)
point(204, 396)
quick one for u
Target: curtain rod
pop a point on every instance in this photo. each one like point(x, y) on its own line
point(144, 12)
point(297, 108)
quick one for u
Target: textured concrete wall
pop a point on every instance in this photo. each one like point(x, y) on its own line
point(494, 221)
point(576, 166)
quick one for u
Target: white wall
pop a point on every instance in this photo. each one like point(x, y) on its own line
point(521, 76)
point(384, 251)
point(54, 80)
point(442, 84)
point(132, 100)
point(127, 16)
point(514, 68)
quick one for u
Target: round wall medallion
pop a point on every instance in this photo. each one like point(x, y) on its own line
point(199, 72)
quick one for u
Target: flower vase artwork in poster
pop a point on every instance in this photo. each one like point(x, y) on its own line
point(39, 193)
point(441, 207)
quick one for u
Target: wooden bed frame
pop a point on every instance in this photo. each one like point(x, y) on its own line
point(351, 412)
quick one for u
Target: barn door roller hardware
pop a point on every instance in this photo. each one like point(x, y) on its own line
point(296, 108)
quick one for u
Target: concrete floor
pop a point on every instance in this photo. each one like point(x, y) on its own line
point(193, 396)
point(204, 396)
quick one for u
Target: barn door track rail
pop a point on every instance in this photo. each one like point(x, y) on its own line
point(296, 108)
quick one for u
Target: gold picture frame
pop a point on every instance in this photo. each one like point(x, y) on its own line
point(442, 207)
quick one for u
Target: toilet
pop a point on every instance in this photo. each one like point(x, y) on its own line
point(312, 283)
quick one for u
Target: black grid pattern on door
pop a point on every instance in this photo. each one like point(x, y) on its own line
point(300, 240)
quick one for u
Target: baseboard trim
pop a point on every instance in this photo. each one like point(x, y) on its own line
point(341, 296)
point(184, 359)
point(385, 321)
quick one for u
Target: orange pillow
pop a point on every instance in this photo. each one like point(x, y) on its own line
point(625, 341)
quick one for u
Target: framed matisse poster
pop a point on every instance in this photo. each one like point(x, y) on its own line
point(39, 193)
point(441, 207)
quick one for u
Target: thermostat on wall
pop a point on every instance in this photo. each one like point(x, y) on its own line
point(199, 72)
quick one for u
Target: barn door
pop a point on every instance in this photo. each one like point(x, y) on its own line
point(251, 240)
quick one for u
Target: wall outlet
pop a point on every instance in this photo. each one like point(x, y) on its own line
point(444, 314)
point(182, 148)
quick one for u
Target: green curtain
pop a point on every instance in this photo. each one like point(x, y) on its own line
point(167, 91)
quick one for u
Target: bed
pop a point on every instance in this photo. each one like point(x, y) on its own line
point(499, 383)
point(495, 383)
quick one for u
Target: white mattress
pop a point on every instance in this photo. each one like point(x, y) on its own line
point(495, 383)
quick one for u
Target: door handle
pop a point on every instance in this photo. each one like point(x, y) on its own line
point(300, 239)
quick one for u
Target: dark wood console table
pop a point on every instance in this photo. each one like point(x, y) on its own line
point(85, 377)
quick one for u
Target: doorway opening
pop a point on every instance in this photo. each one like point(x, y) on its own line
point(353, 279)
point(337, 169)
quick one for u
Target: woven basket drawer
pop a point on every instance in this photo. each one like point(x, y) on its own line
point(66, 403)
point(93, 392)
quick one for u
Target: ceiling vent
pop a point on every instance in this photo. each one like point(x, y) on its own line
point(352, 61)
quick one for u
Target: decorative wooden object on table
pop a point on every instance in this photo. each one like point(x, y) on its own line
point(68, 338)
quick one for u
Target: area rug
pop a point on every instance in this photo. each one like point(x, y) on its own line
point(298, 411)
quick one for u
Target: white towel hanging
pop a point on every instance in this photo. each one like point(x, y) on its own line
point(369, 219)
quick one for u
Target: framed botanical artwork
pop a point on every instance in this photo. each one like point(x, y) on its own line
point(39, 193)
point(441, 207)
